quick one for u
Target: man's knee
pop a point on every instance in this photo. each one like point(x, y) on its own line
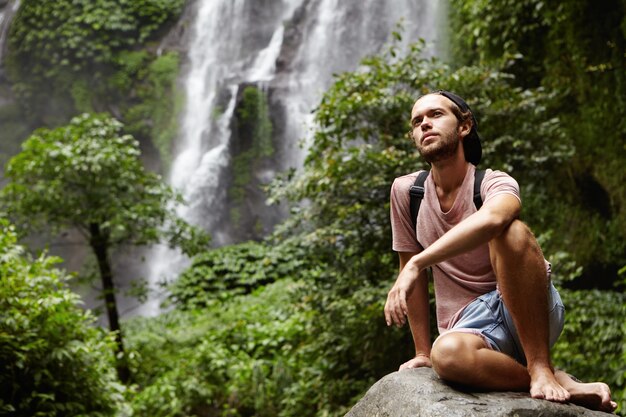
point(452, 355)
point(516, 240)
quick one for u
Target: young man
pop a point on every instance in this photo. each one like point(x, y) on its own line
point(497, 312)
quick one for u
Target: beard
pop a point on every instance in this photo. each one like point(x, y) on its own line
point(443, 149)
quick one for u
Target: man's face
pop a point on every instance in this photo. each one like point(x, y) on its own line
point(435, 129)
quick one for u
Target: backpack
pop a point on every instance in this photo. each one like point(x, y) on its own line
point(417, 192)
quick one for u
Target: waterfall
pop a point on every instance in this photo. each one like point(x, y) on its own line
point(6, 15)
point(287, 51)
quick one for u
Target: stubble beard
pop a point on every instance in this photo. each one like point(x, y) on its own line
point(443, 149)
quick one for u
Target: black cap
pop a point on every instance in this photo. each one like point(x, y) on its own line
point(471, 143)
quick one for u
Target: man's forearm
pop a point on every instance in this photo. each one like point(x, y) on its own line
point(419, 316)
point(475, 230)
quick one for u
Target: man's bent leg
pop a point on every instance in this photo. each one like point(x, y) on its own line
point(521, 273)
point(463, 358)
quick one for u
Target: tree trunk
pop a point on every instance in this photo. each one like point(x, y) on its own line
point(99, 242)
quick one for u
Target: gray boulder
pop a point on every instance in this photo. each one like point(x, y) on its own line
point(419, 392)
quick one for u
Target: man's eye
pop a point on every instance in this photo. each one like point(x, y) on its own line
point(417, 122)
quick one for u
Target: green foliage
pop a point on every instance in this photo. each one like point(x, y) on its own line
point(49, 38)
point(230, 354)
point(593, 344)
point(88, 176)
point(253, 115)
point(252, 150)
point(222, 273)
point(74, 56)
point(575, 51)
point(153, 113)
point(53, 361)
point(484, 31)
point(236, 345)
point(269, 353)
point(88, 173)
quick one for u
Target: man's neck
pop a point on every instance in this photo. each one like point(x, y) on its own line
point(448, 175)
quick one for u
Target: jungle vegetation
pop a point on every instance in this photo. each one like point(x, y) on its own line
point(292, 325)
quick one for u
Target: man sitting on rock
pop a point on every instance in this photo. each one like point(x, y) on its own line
point(498, 313)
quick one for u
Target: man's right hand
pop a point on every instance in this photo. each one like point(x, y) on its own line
point(396, 308)
point(418, 361)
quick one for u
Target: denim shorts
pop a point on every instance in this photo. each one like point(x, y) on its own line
point(488, 317)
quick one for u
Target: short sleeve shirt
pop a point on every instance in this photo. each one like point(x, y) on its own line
point(459, 280)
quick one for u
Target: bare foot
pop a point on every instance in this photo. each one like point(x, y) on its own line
point(544, 385)
point(593, 395)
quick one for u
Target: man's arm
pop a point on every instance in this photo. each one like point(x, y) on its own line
point(479, 228)
point(419, 317)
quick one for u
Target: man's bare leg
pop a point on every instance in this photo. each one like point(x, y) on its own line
point(520, 269)
point(464, 358)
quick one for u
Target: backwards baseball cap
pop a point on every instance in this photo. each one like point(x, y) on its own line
point(471, 143)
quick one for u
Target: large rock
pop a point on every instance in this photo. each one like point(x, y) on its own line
point(419, 392)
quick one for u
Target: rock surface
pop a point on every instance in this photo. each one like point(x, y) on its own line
point(419, 392)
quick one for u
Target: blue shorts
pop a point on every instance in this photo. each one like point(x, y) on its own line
point(487, 316)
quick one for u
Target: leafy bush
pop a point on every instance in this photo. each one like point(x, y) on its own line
point(49, 38)
point(222, 273)
point(53, 361)
point(262, 329)
point(225, 358)
point(269, 353)
point(584, 197)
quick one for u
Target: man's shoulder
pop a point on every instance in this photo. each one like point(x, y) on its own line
point(489, 172)
point(409, 176)
point(407, 180)
point(494, 174)
point(497, 182)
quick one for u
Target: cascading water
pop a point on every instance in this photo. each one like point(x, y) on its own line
point(336, 35)
point(227, 49)
point(6, 14)
point(288, 50)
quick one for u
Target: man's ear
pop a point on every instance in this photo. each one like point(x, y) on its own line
point(465, 127)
